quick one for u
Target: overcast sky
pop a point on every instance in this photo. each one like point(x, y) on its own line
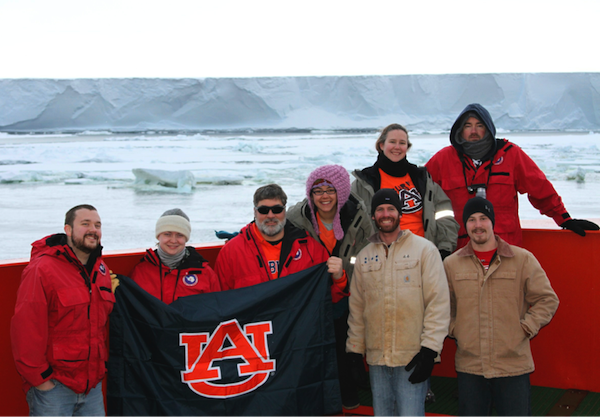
point(221, 38)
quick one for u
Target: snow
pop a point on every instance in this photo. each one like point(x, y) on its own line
point(424, 103)
point(42, 176)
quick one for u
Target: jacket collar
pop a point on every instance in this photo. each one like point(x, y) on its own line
point(375, 238)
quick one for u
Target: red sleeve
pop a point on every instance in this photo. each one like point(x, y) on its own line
point(530, 179)
point(147, 276)
point(223, 268)
point(321, 255)
point(29, 329)
point(433, 167)
point(213, 279)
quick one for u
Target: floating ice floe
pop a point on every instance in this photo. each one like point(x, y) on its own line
point(577, 175)
point(183, 181)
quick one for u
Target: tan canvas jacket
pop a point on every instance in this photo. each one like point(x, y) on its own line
point(495, 313)
point(399, 301)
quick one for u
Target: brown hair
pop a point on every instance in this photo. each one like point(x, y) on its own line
point(70, 216)
point(383, 135)
point(270, 192)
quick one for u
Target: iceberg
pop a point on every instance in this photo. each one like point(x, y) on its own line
point(423, 103)
point(183, 181)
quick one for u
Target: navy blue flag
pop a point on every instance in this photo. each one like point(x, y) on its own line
point(268, 349)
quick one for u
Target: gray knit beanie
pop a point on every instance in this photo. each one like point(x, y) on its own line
point(174, 220)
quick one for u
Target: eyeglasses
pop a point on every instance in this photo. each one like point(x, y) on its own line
point(265, 209)
point(329, 191)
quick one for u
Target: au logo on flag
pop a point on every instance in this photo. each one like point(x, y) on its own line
point(204, 353)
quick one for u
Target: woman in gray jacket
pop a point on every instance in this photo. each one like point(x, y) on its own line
point(427, 211)
point(339, 220)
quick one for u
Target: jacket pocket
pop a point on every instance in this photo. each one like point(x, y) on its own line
point(69, 350)
point(371, 276)
point(106, 304)
point(72, 309)
point(466, 285)
point(408, 272)
point(504, 284)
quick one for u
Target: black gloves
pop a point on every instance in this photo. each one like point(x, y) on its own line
point(579, 226)
point(423, 364)
point(444, 253)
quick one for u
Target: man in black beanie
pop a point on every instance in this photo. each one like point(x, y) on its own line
point(500, 297)
point(399, 310)
point(476, 163)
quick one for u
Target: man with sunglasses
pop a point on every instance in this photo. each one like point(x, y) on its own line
point(478, 164)
point(270, 247)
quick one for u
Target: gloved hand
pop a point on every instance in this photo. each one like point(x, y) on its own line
point(114, 281)
point(444, 253)
point(423, 364)
point(579, 226)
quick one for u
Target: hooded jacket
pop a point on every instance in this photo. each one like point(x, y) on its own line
point(59, 328)
point(495, 313)
point(241, 262)
point(438, 223)
point(399, 300)
point(192, 276)
point(505, 171)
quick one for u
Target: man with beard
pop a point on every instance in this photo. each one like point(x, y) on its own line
point(59, 332)
point(399, 310)
point(270, 247)
point(476, 163)
point(500, 297)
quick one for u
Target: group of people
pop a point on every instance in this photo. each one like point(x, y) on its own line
point(398, 282)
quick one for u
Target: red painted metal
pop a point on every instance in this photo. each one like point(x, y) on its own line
point(564, 351)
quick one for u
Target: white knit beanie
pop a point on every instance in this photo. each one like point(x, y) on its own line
point(174, 220)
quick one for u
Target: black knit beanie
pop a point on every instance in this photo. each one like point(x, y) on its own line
point(478, 205)
point(386, 196)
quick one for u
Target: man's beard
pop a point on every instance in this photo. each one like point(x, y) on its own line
point(480, 239)
point(270, 229)
point(388, 228)
point(81, 245)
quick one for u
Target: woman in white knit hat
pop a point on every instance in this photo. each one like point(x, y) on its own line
point(174, 270)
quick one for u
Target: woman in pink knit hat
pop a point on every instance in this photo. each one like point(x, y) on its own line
point(338, 219)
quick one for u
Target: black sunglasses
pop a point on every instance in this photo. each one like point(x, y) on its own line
point(265, 209)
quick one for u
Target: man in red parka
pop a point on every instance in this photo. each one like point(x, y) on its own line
point(476, 163)
point(59, 332)
point(270, 247)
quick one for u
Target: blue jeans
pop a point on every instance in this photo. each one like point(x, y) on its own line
point(62, 401)
point(509, 395)
point(393, 394)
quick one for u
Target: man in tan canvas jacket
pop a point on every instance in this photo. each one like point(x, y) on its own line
point(399, 310)
point(500, 298)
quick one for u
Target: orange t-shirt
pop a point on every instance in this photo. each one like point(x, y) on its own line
point(412, 210)
point(272, 252)
point(326, 236)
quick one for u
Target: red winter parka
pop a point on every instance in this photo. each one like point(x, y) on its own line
point(59, 328)
point(509, 172)
point(505, 171)
point(241, 262)
point(192, 276)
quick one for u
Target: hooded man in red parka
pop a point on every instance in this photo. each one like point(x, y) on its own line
point(478, 164)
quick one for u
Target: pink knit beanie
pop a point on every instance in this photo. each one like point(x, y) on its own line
point(338, 177)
